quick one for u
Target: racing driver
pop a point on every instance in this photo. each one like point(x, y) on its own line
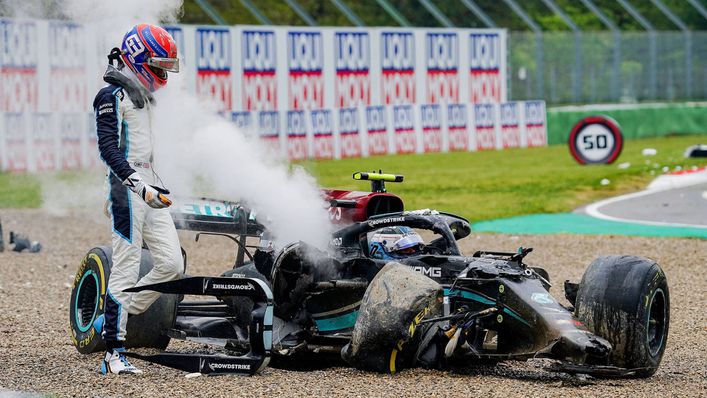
point(136, 204)
point(396, 242)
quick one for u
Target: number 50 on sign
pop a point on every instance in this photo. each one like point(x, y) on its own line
point(596, 140)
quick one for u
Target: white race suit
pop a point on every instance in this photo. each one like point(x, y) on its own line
point(125, 145)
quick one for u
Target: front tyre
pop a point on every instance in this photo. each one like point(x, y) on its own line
point(87, 303)
point(386, 335)
point(625, 299)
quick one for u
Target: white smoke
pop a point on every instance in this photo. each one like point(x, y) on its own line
point(114, 17)
point(64, 192)
point(29, 9)
point(111, 19)
point(197, 153)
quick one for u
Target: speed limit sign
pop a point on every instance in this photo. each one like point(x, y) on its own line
point(596, 140)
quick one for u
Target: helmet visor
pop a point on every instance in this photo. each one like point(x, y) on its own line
point(167, 64)
point(408, 241)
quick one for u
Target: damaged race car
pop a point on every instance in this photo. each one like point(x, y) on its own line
point(392, 291)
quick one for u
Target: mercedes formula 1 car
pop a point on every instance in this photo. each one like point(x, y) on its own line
point(392, 291)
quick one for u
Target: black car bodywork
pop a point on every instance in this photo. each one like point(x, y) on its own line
point(299, 300)
point(502, 304)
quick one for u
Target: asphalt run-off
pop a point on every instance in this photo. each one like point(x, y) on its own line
point(676, 207)
point(672, 205)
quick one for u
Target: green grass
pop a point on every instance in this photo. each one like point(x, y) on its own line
point(477, 185)
point(497, 184)
point(25, 190)
point(19, 191)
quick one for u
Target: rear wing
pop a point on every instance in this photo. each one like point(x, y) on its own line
point(215, 216)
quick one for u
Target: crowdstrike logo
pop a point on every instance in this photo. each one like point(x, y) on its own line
point(373, 223)
point(229, 366)
point(228, 286)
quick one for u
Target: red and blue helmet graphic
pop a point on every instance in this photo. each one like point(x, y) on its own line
point(150, 52)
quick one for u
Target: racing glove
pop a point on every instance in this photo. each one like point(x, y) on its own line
point(154, 197)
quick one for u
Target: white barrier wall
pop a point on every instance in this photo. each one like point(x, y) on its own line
point(309, 92)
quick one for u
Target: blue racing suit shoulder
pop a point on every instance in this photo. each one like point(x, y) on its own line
point(109, 131)
point(108, 93)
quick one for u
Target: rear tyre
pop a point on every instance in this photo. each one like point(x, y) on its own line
point(87, 303)
point(625, 299)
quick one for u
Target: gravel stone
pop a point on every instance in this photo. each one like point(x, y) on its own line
point(37, 355)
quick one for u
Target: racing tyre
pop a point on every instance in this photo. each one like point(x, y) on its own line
point(385, 336)
point(625, 299)
point(243, 306)
point(87, 303)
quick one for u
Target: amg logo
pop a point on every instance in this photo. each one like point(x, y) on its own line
point(373, 223)
point(229, 366)
point(228, 286)
point(432, 272)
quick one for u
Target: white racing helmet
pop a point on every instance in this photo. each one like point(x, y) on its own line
point(394, 242)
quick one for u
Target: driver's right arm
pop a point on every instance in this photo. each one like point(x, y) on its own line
point(112, 141)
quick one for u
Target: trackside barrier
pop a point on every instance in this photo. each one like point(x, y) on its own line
point(398, 129)
point(40, 141)
point(267, 68)
point(636, 120)
point(323, 93)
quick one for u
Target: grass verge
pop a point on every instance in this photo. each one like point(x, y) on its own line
point(478, 185)
point(19, 191)
point(496, 184)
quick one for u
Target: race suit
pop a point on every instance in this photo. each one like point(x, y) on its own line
point(125, 145)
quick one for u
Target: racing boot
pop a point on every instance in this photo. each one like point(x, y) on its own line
point(115, 362)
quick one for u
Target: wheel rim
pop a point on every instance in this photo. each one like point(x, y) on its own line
point(86, 303)
point(656, 322)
